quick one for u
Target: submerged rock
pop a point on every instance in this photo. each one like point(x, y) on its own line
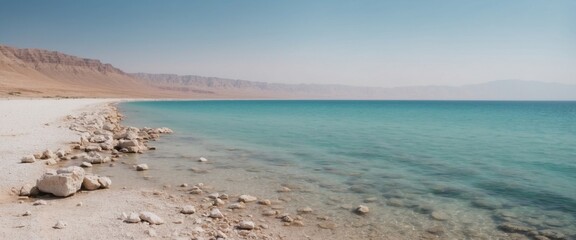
point(247, 198)
point(142, 167)
point(553, 234)
point(514, 228)
point(439, 216)
point(239, 205)
point(362, 210)
point(86, 165)
point(487, 204)
point(304, 210)
point(327, 225)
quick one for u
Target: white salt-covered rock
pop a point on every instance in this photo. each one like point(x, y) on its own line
point(93, 148)
point(361, 209)
point(246, 225)
point(28, 159)
point(105, 182)
point(91, 157)
point(266, 202)
point(239, 205)
point(164, 130)
point(60, 225)
point(133, 218)
point(151, 218)
point(61, 153)
point(218, 202)
point(98, 138)
point(304, 210)
point(90, 182)
point(86, 165)
point(65, 182)
point(215, 213)
point(109, 127)
point(142, 167)
point(202, 159)
point(47, 154)
point(128, 143)
point(188, 209)
point(247, 198)
point(51, 162)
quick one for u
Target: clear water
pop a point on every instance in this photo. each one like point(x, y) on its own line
point(478, 163)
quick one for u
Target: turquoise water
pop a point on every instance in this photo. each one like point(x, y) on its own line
point(480, 163)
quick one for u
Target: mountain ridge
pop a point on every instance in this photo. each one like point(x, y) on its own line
point(493, 90)
point(43, 73)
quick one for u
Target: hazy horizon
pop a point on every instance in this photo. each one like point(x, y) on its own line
point(360, 43)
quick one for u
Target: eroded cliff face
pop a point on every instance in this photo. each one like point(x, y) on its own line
point(38, 72)
point(50, 60)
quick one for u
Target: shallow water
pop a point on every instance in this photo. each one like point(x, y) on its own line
point(462, 167)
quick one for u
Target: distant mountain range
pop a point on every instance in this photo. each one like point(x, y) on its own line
point(494, 90)
point(43, 73)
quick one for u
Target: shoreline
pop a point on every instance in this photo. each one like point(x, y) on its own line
point(102, 214)
point(109, 208)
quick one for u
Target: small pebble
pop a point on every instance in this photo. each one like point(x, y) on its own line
point(188, 209)
point(40, 202)
point(142, 167)
point(151, 232)
point(362, 210)
point(304, 210)
point(215, 213)
point(246, 225)
point(60, 225)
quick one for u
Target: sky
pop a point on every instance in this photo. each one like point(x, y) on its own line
point(356, 42)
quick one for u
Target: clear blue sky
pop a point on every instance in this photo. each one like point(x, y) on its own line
point(371, 43)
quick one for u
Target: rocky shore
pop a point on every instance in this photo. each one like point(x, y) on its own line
point(187, 211)
point(75, 199)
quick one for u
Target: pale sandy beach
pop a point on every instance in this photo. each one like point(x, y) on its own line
point(30, 126)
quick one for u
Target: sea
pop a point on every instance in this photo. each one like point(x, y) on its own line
point(425, 169)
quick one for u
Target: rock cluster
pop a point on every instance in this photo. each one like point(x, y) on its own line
point(67, 181)
point(101, 131)
point(102, 139)
point(47, 156)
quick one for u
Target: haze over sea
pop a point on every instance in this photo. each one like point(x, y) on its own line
point(464, 167)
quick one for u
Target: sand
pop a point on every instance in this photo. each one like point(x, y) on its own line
point(34, 125)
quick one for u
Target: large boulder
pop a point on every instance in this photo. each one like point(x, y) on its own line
point(64, 183)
